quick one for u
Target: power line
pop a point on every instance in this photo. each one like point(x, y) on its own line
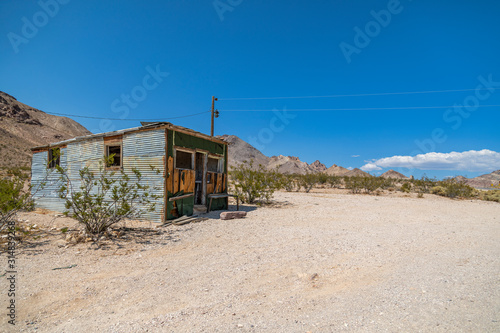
point(367, 109)
point(128, 119)
point(352, 95)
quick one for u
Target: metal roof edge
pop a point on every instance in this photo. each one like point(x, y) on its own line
point(147, 126)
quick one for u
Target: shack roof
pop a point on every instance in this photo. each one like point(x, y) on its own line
point(146, 126)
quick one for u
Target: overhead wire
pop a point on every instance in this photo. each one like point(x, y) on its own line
point(354, 95)
point(126, 119)
point(364, 109)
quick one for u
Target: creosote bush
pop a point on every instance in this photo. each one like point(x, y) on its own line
point(13, 197)
point(251, 184)
point(100, 200)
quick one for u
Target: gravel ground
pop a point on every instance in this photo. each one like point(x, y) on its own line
point(317, 262)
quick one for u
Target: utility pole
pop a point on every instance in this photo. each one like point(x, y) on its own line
point(215, 114)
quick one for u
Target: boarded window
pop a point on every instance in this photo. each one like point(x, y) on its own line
point(114, 156)
point(214, 165)
point(54, 157)
point(183, 160)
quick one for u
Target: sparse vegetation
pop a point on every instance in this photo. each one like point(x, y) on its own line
point(14, 196)
point(491, 195)
point(251, 185)
point(105, 199)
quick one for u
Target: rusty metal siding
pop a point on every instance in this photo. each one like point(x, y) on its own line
point(145, 151)
point(46, 196)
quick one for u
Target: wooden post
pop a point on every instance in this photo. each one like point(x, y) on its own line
point(213, 114)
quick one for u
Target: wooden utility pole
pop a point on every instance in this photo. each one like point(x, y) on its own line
point(215, 114)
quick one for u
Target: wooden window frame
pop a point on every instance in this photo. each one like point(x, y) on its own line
point(220, 163)
point(51, 162)
point(106, 153)
point(184, 150)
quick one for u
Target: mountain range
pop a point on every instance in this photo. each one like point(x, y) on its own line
point(23, 127)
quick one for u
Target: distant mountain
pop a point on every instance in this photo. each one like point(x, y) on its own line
point(336, 170)
point(317, 166)
point(23, 127)
point(292, 164)
point(393, 174)
point(241, 152)
point(485, 181)
point(357, 173)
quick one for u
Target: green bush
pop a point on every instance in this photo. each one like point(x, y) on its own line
point(353, 183)
point(370, 184)
point(491, 195)
point(251, 185)
point(334, 181)
point(455, 189)
point(104, 199)
point(286, 181)
point(13, 198)
point(438, 190)
point(406, 187)
point(308, 181)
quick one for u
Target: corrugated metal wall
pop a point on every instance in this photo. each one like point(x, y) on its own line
point(47, 196)
point(144, 151)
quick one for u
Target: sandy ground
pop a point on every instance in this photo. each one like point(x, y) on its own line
point(317, 262)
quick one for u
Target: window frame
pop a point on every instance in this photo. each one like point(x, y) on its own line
point(51, 162)
point(220, 163)
point(106, 154)
point(187, 151)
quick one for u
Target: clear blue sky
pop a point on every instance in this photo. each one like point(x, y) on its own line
point(85, 57)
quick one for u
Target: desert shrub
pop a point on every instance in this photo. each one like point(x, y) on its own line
point(308, 181)
point(406, 187)
point(321, 178)
point(13, 198)
point(438, 190)
point(286, 181)
point(423, 185)
point(491, 195)
point(353, 183)
point(251, 185)
point(454, 189)
point(370, 184)
point(105, 199)
point(333, 181)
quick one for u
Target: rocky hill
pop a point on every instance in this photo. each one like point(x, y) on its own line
point(23, 127)
point(241, 152)
point(393, 174)
point(336, 170)
point(485, 181)
point(357, 173)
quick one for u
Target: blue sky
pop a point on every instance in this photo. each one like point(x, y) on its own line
point(162, 59)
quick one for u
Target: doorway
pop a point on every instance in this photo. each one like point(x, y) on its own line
point(200, 174)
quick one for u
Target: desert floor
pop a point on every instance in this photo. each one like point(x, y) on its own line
point(317, 262)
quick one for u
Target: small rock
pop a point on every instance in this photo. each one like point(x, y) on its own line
point(232, 215)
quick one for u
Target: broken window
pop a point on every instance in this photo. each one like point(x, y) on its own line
point(214, 164)
point(54, 157)
point(183, 160)
point(113, 156)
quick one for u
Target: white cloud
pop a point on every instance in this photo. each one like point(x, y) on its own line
point(350, 168)
point(370, 167)
point(354, 155)
point(473, 160)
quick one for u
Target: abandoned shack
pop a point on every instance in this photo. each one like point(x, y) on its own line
point(187, 169)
